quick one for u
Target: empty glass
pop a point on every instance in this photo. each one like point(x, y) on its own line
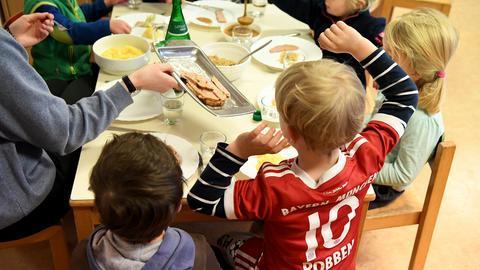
point(269, 110)
point(172, 105)
point(242, 35)
point(208, 144)
point(258, 8)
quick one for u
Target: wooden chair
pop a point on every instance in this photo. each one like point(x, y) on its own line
point(407, 211)
point(385, 8)
point(58, 245)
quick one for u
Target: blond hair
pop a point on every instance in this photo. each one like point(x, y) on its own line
point(353, 4)
point(427, 40)
point(323, 101)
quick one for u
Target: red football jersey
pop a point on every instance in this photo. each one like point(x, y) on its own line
point(313, 224)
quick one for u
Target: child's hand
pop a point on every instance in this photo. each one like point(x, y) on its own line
point(119, 27)
point(341, 38)
point(255, 143)
point(154, 77)
point(30, 29)
point(110, 3)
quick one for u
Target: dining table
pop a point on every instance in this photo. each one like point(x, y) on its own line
point(195, 119)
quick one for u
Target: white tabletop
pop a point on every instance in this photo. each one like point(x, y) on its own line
point(195, 119)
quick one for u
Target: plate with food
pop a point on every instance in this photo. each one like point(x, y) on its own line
point(253, 164)
point(186, 154)
point(203, 81)
point(284, 51)
point(146, 104)
point(212, 13)
point(143, 24)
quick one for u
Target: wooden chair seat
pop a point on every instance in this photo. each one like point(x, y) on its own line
point(58, 245)
point(405, 210)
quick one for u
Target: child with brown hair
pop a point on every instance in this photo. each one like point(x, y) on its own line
point(422, 42)
point(311, 205)
point(321, 14)
point(138, 187)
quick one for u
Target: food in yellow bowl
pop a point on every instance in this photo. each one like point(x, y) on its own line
point(272, 158)
point(122, 52)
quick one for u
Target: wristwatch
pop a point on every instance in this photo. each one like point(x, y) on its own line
point(131, 88)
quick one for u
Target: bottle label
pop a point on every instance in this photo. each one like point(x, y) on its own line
point(177, 29)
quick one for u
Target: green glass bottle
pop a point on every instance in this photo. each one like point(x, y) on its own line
point(177, 27)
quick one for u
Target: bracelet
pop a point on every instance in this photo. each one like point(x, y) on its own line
point(131, 88)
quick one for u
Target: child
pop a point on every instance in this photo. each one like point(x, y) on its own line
point(422, 42)
point(63, 58)
point(138, 187)
point(321, 14)
point(311, 205)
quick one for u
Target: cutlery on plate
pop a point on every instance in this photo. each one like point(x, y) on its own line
point(254, 51)
point(123, 129)
point(203, 6)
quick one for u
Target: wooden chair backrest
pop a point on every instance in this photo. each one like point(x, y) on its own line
point(403, 210)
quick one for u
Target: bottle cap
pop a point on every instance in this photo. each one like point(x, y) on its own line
point(257, 116)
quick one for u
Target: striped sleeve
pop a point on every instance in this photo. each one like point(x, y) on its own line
point(401, 94)
point(207, 196)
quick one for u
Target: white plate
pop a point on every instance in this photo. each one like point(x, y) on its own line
point(146, 104)
point(307, 50)
point(231, 11)
point(250, 167)
point(186, 151)
point(133, 18)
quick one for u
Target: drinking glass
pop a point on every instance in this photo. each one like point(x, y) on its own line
point(134, 4)
point(208, 144)
point(258, 8)
point(242, 35)
point(172, 105)
point(269, 110)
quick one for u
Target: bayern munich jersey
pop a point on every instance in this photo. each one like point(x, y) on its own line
point(312, 223)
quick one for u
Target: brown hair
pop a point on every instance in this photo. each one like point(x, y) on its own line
point(323, 101)
point(138, 187)
point(427, 39)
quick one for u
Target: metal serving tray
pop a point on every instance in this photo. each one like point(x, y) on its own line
point(191, 58)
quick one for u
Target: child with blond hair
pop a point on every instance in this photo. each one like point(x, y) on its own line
point(311, 204)
point(422, 42)
point(321, 14)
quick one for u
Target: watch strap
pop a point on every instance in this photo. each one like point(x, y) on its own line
point(131, 88)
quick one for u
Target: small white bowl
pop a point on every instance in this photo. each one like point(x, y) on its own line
point(232, 52)
point(229, 26)
point(118, 66)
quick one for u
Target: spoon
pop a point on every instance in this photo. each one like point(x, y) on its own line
point(245, 20)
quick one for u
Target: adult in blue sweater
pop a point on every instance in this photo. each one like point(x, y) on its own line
point(38, 131)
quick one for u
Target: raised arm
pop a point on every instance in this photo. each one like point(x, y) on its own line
point(401, 95)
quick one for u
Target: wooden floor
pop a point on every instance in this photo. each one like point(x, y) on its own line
point(456, 240)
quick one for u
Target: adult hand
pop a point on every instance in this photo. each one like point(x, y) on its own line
point(30, 29)
point(119, 27)
point(154, 77)
point(110, 3)
point(341, 38)
point(256, 143)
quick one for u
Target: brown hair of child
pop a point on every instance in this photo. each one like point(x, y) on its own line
point(138, 187)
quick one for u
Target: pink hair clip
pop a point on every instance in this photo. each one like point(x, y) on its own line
point(440, 74)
